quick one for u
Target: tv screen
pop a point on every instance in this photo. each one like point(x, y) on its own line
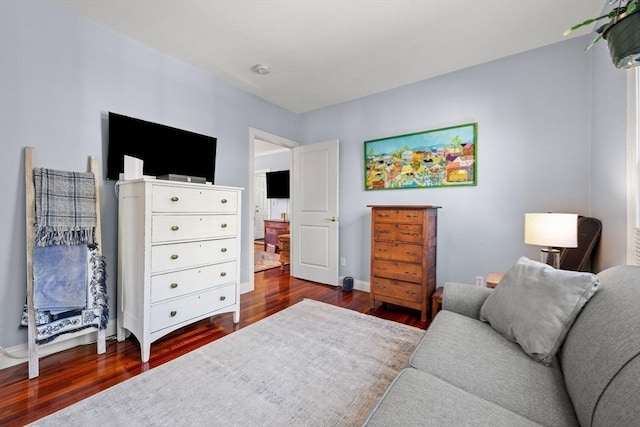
point(163, 149)
point(278, 185)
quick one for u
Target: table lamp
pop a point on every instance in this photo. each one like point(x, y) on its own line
point(553, 231)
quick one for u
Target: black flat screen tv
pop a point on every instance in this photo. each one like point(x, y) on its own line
point(278, 185)
point(163, 149)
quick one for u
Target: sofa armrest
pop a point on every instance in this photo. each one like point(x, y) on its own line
point(464, 299)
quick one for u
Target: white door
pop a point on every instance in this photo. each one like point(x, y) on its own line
point(261, 204)
point(314, 219)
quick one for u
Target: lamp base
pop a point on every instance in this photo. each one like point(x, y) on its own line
point(551, 256)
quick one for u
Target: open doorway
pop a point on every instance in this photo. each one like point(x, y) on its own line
point(268, 153)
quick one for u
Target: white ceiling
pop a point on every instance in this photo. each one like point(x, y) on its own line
point(323, 52)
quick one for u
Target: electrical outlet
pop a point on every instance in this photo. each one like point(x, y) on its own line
point(479, 281)
point(343, 261)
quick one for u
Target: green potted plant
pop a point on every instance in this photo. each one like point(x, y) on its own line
point(622, 33)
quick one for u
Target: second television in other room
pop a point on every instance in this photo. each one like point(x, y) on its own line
point(278, 184)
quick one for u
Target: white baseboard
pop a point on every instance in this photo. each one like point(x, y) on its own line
point(245, 287)
point(362, 285)
point(19, 353)
point(359, 285)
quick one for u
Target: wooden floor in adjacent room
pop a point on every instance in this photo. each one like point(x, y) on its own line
point(72, 375)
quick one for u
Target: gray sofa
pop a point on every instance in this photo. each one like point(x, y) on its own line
point(465, 373)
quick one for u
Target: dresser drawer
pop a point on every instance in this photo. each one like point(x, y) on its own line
point(170, 228)
point(177, 199)
point(172, 285)
point(397, 270)
point(399, 233)
point(184, 255)
point(172, 312)
point(398, 216)
point(398, 251)
point(397, 289)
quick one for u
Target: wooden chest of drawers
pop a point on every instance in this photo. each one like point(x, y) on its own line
point(178, 256)
point(272, 229)
point(403, 255)
point(285, 247)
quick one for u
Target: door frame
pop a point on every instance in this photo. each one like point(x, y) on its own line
point(273, 139)
point(254, 200)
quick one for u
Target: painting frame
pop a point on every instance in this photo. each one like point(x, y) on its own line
point(436, 158)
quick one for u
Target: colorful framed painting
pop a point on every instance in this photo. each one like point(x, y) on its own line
point(443, 157)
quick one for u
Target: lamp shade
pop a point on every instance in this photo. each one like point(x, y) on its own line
point(559, 230)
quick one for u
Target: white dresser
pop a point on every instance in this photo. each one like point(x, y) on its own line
point(178, 256)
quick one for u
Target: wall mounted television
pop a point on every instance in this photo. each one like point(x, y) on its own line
point(278, 184)
point(188, 153)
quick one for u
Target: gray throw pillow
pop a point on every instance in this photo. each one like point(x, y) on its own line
point(535, 305)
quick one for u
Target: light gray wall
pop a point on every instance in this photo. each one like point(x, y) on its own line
point(608, 162)
point(59, 74)
point(534, 155)
point(546, 123)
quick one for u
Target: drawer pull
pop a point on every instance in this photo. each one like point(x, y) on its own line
point(222, 274)
point(174, 228)
point(223, 250)
point(223, 201)
point(173, 313)
point(174, 199)
point(174, 256)
point(173, 285)
point(223, 225)
point(222, 298)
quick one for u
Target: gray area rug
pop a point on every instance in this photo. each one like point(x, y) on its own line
point(312, 364)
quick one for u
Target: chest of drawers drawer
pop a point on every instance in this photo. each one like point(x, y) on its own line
point(184, 255)
point(166, 198)
point(398, 251)
point(407, 233)
point(178, 310)
point(409, 272)
point(171, 228)
point(398, 216)
point(405, 291)
point(172, 285)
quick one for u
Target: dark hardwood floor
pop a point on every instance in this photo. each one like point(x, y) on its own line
point(72, 375)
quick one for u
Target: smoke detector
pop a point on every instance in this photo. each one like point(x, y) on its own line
point(261, 69)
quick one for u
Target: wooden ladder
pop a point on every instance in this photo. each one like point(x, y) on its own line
point(32, 333)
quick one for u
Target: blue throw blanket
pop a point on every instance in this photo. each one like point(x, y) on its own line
point(95, 312)
point(60, 278)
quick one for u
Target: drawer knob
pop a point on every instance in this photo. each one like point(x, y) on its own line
point(222, 298)
point(222, 274)
point(223, 250)
point(223, 201)
point(174, 256)
point(223, 225)
point(174, 228)
point(173, 313)
point(173, 285)
point(174, 199)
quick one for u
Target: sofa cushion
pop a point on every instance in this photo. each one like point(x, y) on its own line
point(419, 399)
point(472, 356)
point(619, 405)
point(464, 299)
point(536, 304)
point(600, 356)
